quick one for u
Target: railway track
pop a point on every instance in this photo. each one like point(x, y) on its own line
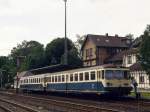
point(4, 109)
point(9, 106)
point(126, 106)
point(61, 106)
point(68, 105)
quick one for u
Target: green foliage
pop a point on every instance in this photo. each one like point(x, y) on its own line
point(7, 69)
point(55, 52)
point(144, 55)
point(73, 58)
point(35, 56)
point(33, 52)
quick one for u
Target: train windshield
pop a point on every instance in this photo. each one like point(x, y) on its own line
point(114, 74)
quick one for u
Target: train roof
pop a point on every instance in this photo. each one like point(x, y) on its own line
point(61, 68)
point(53, 68)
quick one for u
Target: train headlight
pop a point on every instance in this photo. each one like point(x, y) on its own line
point(109, 84)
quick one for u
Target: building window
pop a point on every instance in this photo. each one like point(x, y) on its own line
point(88, 53)
point(141, 79)
point(129, 60)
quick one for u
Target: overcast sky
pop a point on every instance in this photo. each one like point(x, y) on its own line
point(43, 20)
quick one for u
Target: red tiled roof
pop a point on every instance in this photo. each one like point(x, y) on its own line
point(131, 51)
point(136, 67)
point(108, 41)
point(117, 57)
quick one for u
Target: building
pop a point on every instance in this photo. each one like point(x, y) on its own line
point(104, 49)
point(130, 60)
point(98, 49)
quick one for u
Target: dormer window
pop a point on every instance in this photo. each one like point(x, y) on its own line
point(129, 59)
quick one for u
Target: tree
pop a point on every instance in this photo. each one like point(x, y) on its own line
point(55, 52)
point(7, 68)
point(33, 52)
point(80, 41)
point(144, 51)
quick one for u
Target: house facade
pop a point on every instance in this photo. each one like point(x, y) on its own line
point(105, 49)
point(130, 60)
point(98, 49)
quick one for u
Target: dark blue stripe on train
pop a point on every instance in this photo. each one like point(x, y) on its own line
point(37, 87)
point(82, 86)
point(92, 86)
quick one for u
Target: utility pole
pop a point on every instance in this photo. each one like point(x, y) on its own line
point(66, 46)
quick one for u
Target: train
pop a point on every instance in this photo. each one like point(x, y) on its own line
point(105, 79)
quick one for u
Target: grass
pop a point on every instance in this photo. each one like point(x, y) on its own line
point(145, 95)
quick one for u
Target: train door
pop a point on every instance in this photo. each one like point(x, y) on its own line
point(66, 79)
point(44, 83)
point(98, 80)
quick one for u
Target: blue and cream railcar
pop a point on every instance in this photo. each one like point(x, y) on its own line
point(90, 80)
point(99, 79)
point(32, 83)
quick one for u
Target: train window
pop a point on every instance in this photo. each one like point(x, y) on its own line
point(86, 75)
point(71, 77)
point(59, 78)
point(49, 79)
point(81, 76)
point(52, 78)
point(63, 78)
point(76, 77)
point(126, 74)
point(55, 78)
point(66, 78)
point(102, 74)
point(92, 75)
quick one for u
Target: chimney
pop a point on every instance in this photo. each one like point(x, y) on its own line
point(106, 34)
point(116, 35)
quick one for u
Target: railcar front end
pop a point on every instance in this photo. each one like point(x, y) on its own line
point(117, 81)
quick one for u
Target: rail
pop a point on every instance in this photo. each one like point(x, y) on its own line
point(16, 105)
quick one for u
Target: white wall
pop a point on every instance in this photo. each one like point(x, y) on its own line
point(126, 58)
point(137, 75)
